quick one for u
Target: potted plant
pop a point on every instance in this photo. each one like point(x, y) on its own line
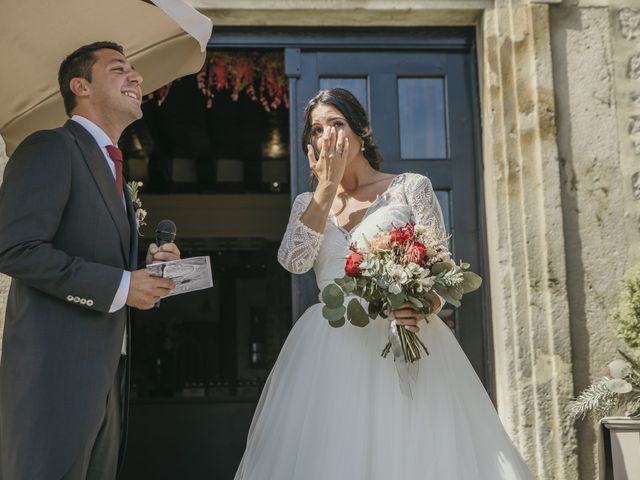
point(618, 393)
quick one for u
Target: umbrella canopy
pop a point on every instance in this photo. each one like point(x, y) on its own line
point(164, 41)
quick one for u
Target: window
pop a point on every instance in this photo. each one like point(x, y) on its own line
point(422, 118)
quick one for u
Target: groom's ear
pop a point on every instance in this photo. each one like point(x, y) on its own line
point(79, 86)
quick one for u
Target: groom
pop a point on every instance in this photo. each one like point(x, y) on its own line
point(68, 239)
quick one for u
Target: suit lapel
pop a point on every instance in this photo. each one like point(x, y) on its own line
point(103, 177)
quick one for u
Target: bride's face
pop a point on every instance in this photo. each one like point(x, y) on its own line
point(324, 117)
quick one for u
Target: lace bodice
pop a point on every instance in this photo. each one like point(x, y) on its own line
point(409, 197)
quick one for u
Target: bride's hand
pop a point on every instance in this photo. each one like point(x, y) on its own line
point(330, 164)
point(408, 317)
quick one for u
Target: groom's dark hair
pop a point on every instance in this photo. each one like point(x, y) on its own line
point(79, 64)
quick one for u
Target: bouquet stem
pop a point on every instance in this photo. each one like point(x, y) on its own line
point(410, 344)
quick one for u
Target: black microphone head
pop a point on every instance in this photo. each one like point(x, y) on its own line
point(165, 232)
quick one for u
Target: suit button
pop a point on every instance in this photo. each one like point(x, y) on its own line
point(83, 301)
point(89, 303)
point(76, 299)
point(70, 298)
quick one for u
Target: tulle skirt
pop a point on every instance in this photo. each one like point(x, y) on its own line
point(332, 409)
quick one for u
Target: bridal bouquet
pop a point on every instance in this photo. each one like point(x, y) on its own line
point(409, 264)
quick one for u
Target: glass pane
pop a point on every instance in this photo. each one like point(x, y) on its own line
point(422, 118)
point(357, 86)
point(443, 200)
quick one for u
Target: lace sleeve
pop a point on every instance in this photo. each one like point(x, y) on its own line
point(425, 209)
point(300, 244)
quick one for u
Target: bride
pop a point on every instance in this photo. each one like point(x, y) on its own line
point(332, 408)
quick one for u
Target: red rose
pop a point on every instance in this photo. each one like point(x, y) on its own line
point(415, 253)
point(352, 267)
point(402, 234)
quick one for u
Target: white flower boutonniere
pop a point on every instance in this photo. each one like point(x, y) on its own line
point(141, 213)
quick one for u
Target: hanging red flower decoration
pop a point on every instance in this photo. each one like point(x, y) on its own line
point(241, 72)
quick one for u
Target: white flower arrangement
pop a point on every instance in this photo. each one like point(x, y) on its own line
point(140, 212)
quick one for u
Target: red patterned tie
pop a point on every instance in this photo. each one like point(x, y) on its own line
point(116, 155)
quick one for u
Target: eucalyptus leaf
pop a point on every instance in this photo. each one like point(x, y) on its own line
point(454, 302)
point(338, 323)
point(618, 385)
point(396, 300)
point(455, 293)
point(374, 309)
point(356, 314)
point(415, 302)
point(431, 299)
point(332, 296)
point(440, 267)
point(441, 290)
point(333, 314)
point(471, 282)
point(349, 285)
point(444, 293)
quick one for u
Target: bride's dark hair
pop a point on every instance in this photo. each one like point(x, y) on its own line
point(356, 117)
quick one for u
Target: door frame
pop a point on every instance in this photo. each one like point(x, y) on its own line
point(436, 39)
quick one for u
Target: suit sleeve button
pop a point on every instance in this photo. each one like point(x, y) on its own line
point(89, 303)
point(70, 298)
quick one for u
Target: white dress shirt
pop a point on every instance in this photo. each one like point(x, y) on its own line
point(102, 139)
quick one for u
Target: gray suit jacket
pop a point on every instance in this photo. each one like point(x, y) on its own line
point(65, 240)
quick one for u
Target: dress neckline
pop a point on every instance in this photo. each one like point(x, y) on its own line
point(366, 213)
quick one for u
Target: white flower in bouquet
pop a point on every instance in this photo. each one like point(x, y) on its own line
point(397, 273)
point(140, 213)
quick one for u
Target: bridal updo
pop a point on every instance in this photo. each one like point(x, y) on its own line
point(355, 115)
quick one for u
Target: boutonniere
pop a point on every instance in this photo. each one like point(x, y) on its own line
point(141, 213)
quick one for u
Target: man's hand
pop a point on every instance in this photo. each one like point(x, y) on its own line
point(145, 290)
point(163, 253)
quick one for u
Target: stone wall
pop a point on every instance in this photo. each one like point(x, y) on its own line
point(526, 254)
point(595, 109)
point(594, 228)
point(625, 25)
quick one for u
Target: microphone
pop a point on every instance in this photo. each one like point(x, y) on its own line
point(165, 232)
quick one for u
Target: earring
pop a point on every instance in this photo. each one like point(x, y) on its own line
point(362, 148)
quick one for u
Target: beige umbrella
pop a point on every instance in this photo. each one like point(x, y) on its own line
point(164, 41)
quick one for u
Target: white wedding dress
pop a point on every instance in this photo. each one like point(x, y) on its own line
point(332, 408)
